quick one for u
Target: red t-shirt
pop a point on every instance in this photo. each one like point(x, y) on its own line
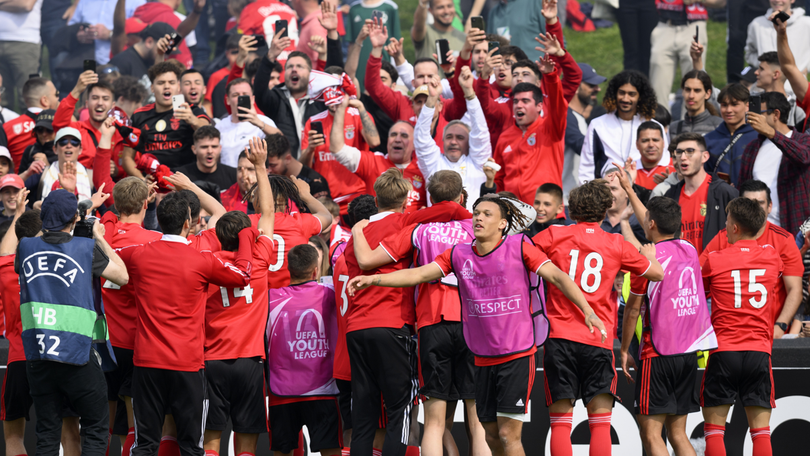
point(372, 165)
point(215, 79)
point(693, 208)
point(10, 294)
point(741, 280)
point(592, 258)
point(533, 259)
point(260, 17)
point(20, 134)
point(645, 176)
point(342, 183)
point(171, 301)
point(205, 240)
point(235, 318)
point(119, 302)
point(289, 230)
point(783, 242)
point(340, 277)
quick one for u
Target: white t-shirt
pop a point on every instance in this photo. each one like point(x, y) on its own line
point(235, 137)
point(21, 26)
point(766, 169)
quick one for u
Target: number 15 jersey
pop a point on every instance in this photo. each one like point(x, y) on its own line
point(592, 258)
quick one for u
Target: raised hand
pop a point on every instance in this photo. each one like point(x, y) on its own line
point(549, 44)
point(648, 250)
point(67, 178)
point(434, 86)
point(549, 11)
point(451, 62)
point(318, 43)
point(257, 151)
point(278, 45)
point(364, 32)
point(164, 44)
point(303, 186)
point(778, 25)
point(545, 64)
point(466, 79)
point(85, 79)
point(107, 127)
point(328, 17)
point(696, 51)
point(492, 63)
point(394, 49)
point(22, 201)
point(179, 181)
point(98, 198)
point(630, 167)
point(378, 34)
point(247, 44)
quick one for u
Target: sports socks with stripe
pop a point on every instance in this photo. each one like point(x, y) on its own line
point(761, 438)
point(599, 424)
point(715, 442)
point(168, 446)
point(561, 434)
point(128, 442)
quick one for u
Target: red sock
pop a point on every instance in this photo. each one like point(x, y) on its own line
point(211, 453)
point(412, 451)
point(599, 423)
point(244, 454)
point(168, 446)
point(376, 452)
point(715, 444)
point(130, 440)
point(561, 434)
point(345, 451)
point(109, 439)
point(762, 441)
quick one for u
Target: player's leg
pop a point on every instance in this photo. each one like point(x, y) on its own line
point(322, 419)
point(756, 395)
point(394, 351)
point(650, 428)
point(759, 419)
point(71, 439)
point(14, 435)
point(435, 417)
point(124, 358)
point(599, 411)
point(345, 402)
point(247, 404)
point(464, 382)
point(475, 431)
point(148, 409)
point(366, 400)
point(212, 441)
point(676, 434)
point(15, 407)
point(285, 422)
point(448, 442)
point(217, 386)
point(718, 393)
point(244, 443)
point(714, 429)
point(47, 404)
point(436, 384)
point(189, 406)
point(492, 437)
point(513, 387)
point(561, 386)
point(510, 432)
point(597, 370)
point(168, 437)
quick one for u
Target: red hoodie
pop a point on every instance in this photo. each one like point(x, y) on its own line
point(90, 136)
point(153, 12)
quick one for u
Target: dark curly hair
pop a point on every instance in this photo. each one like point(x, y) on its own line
point(646, 95)
point(590, 201)
point(514, 218)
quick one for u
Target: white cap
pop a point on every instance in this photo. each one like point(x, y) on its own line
point(67, 131)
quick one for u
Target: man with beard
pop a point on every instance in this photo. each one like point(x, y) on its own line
point(99, 101)
point(207, 149)
point(234, 198)
point(579, 114)
point(425, 35)
point(629, 101)
point(277, 103)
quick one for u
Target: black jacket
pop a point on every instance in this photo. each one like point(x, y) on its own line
point(275, 104)
point(717, 198)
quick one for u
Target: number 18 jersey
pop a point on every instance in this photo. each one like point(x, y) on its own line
point(592, 258)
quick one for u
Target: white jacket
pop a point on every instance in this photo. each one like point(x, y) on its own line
point(471, 166)
point(762, 38)
point(84, 184)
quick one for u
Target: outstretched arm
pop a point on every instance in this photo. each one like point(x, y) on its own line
point(318, 209)
point(257, 154)
point(181, 182)
point(367, 259)
point(398, 279)
point(787, 62)
point(631, 310)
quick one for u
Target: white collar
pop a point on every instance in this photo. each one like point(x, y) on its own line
point(380, 216)
point(175, 238)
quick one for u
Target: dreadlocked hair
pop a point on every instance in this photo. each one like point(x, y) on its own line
point(514, 218)
point(285, 192)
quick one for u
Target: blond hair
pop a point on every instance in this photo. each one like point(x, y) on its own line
point(391, 189)
point(129, 194)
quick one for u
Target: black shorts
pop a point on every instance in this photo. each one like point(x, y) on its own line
point(119, 381)
point(15, 396)
point(667, 385)
point(744, 373)
point(345, 403)
point(120, 425)
point(503, 388)
point(236, 391)
point(445, 363)
point(573, 370)
point(321, 417)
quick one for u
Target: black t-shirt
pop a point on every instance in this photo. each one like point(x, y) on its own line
point(131, 63)
point(166, 137)
point(224, 176)
point(318, 186)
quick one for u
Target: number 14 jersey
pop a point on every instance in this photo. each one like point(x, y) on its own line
point(592, 257)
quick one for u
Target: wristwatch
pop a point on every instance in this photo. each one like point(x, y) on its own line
point(782, 326)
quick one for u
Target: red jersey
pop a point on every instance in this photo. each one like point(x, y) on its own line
point(260, 17)
point(235, 318)
point(205, 240)
point(10, 294)
point(383, 307)
point(592, 258)
point(171, 300)
point(534, 157)
point(372, 165)
point(783, 242)
point(693, 208)
point(741, 279)
point(645, 176)
point(343, 184)
point(232, 199)
point(215, 78)
point(340, 277)
point(119, 302)
point(20, 134)
point(289, 230)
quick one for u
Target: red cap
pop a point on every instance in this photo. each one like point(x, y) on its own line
point(11, 180)
point(134, 25)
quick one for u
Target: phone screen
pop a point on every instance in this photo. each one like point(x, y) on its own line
point(282, 24)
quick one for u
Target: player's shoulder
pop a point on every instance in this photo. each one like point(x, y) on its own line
point(778, 232)
point(144, 109)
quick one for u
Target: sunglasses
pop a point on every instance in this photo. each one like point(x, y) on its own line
point(689, 151)
point(73, 142)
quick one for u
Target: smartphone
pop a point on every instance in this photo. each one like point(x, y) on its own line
point(755, 104)
point(90, 65)
point(177, 102)
point(478, 22)
point(376, 14)
point(697, 34)
point(442, 48)
point(782, 16)
point(174, 41)
point(281, 24)
point(242, 102)
point(33, 75)
point(317, 127)
point(260, 41)
point(494, 45)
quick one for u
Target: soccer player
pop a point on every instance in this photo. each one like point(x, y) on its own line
point(741, 280)
point(666, 386)
point(445, 361)
point(169, 340)
point(504, 365)
point(234, 321)
point(300, 337)
point(576, 364)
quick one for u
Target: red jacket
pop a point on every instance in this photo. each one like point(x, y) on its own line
point(153, 12)
point(534, 157)
point(20, 134)
point(90, 136)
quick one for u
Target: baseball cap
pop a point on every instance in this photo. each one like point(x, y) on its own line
point(748, 74)
point(5, 153)
point(11, 180)
point(134, 26)
point(58, 209)
point(590, 76)
point(157, 30)
point(421, 90)
point(67, 131)
point(45, 119)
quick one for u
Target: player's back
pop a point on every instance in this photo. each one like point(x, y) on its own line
point(592, 258)
point(741, 280)
point(289, 230)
